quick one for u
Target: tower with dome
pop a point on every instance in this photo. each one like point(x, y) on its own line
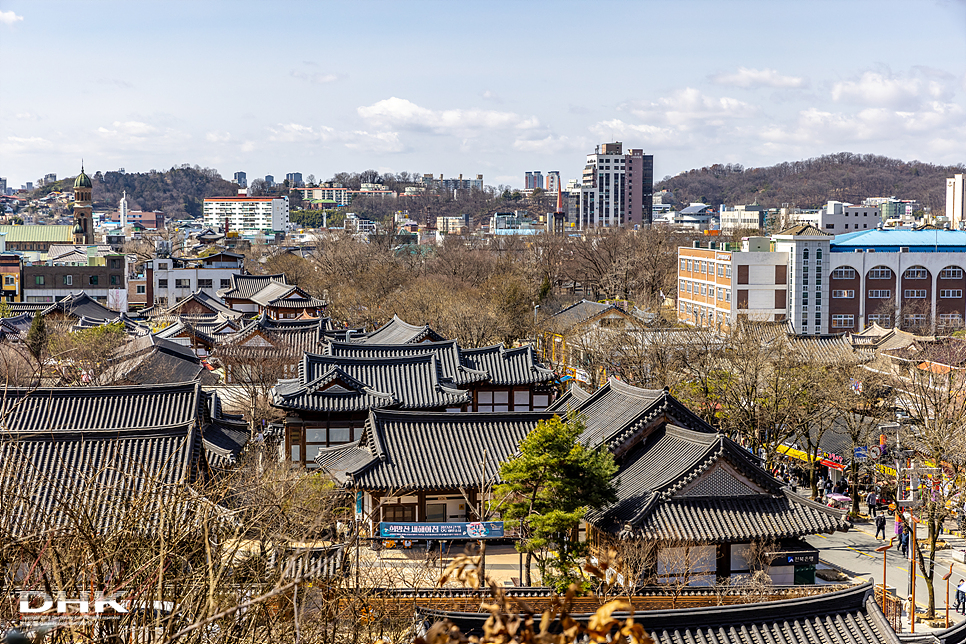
point(83, 209)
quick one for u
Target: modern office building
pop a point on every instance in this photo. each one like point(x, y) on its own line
point(617, 188)
point(241, 179)
point(829, 284)
point(247, 213)
point(294, 179)
point(838, 217)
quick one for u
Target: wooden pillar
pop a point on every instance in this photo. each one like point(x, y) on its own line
point(723, 562)
point(420, 506)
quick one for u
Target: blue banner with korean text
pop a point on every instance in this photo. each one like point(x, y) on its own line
point(476, 530)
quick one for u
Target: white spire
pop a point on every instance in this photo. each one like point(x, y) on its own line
point(123, 208)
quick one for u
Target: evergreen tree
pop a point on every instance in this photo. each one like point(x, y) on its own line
point(37, 337)
point(546, 491)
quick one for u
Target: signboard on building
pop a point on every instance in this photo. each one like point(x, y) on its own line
point(474, 530)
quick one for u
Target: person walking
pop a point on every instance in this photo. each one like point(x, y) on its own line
point(872, 501)
point(904, 542)
point(880, 522)
point(828, 486)
point(961, 597)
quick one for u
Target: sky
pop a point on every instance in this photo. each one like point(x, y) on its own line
point(460, 87)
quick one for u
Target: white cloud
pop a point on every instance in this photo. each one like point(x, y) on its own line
point(747, 77)
point(401, 113)
point(383, 141)
point(9, 18)
point(218, 137)
point(549, 144)
point(688, 106)
point(139, 135)
point(26, 145)
point(27, 116)
point(909, 91)
point(649, 136)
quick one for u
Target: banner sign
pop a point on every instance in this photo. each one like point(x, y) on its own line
point(476, 530)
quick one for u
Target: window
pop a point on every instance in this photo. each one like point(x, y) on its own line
point(727, 295)
point(436, 512)
point(182, 283)
point(204, 283)
point(720, 270)
point(912, 293)
point(92, 280)
point(690, 266)
point(843, 294)
point(225, 283)
point(880, 294)
point(115, 263)
point(844, 273)
point(400, 513)
point(950, 319)
point(721, 294)
point(915, 273)
point(915, 318)
point(68, 280)
point(951, 274)
point(951, 293)
point(880, 273)
point(704, 266)
point(141, 289)
point(882, 319)
point(689, 287)
point(115, 280)
point(39, 280)
point(162, 283)
point(521, 400)
point(9, 280)
point(805, 254)
point(683, 265)
point(840, 321)
point(682, 286)
point(818, 256)
point(728, 272)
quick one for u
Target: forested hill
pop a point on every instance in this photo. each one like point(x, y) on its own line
point(179, 192)
point(810, 183)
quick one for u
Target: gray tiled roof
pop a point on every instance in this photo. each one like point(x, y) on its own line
point(849, 616)
point(130, 326)
point(337, 383)
point(579, 312)
point(245, 286)
point(518, 366)
point(574, 397)
point(301, 335)
point(398, 332)
point(447, 353)
point(656, 494)
point(80, 305)
point(213, 304)
point(149, 360)
point(429, 451)
point(617, 412)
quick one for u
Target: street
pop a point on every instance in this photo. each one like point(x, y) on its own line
point(854, 553)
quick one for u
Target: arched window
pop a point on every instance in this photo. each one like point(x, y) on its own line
point(805, 254)
point(916, 273)
point(880, 273)
point(818, 254)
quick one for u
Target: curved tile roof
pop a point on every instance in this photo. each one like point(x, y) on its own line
point(398, 332)
point(508, 367)
point(447, 353)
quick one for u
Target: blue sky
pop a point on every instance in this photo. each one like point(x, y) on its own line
point(492, 88)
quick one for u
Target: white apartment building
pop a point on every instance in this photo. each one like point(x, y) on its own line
point(742, 218)
point(955, 198)
point(174, 279)
point(838, 217)
point(617, 188)
point(247, 213)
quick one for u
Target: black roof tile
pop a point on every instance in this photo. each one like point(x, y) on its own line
point(508, 367)
point(398, 332)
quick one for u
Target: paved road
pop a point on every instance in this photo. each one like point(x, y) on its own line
point(854, 551)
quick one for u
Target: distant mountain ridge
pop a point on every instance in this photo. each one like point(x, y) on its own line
point(811, 183)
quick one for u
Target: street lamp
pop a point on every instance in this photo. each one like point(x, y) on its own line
point(883, 549)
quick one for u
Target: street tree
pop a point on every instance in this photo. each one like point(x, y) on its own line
point(545, 492)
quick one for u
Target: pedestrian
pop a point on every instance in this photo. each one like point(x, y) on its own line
point(828, 486)
point(904, 542)
point(872, 500)
point(961, 597)
point(910, 610)
point(880, 522)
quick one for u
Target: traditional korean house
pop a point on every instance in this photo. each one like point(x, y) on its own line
point(427, 466)
point(197, 304)
point(268, 344)
point(133, 449)
point(329, 402)
point(679, 483)
point(76, 306)
point(270, 294)
point(398, 332)
point(150, 360)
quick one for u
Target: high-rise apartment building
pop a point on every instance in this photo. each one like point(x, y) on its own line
point(247, 213)
point(617, 188)
point(955, 198)
point(553, 181)
point(533, 180)
point(294, 179)
point(269, 181)
point(241, 179)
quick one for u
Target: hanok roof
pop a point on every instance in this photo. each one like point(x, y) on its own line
point(581, 312)
point(244, 286)
point(335, 383)
point(80, 305)
point(508, 367)
point(447, 352)
point(848, 616)
point(148, 360)
point(130, 326)
point(427, 451)
point(398, 332)
point(298, 336)
point(573, 398)
point(16, 323)
point(269, 290)
point(682, 485)
point(620, 415)
point(200, 299)
point(117, 444)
